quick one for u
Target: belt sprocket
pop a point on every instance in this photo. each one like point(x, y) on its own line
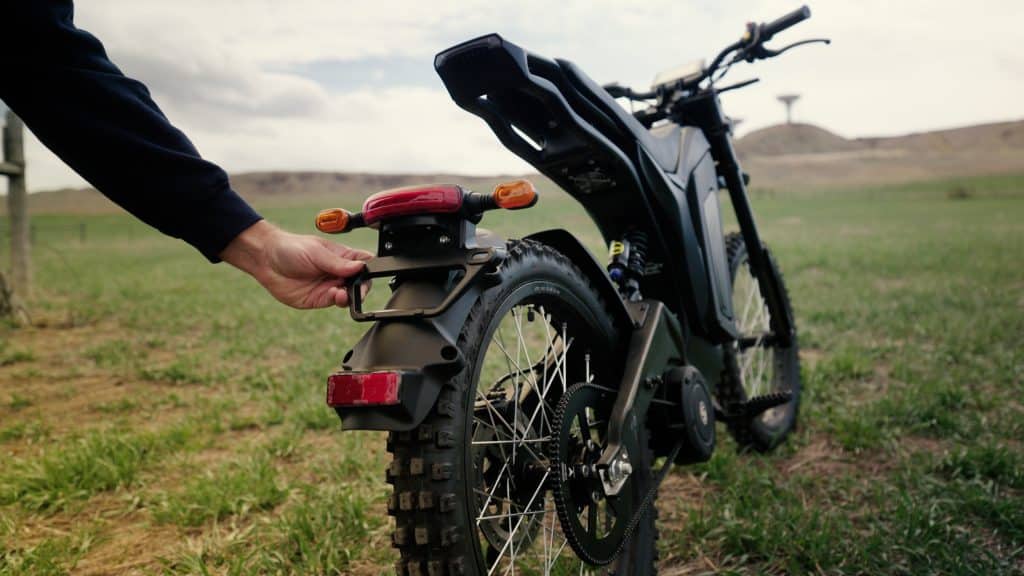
point(596, 525)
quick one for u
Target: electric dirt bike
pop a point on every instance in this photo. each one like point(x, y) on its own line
point(529, 390)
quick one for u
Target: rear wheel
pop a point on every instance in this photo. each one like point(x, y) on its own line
point(756, 365)
point(473, 484)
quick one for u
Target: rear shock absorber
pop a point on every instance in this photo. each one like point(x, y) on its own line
point(628, 259)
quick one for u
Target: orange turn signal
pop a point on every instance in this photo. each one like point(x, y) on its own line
point(515, 195)
point(332, 220)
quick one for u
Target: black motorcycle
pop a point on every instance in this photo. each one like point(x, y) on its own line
point(528, 389)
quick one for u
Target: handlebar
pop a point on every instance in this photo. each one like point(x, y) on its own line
point(789, 20)
point(751, 47)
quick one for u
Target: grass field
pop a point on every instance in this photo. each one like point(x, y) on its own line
point(163, 415)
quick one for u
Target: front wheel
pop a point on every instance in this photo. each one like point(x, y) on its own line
point(475, 484)
point(756, 365)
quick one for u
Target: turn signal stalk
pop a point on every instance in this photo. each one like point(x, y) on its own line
point(338, 220)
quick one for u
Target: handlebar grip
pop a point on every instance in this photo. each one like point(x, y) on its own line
point(792, 19)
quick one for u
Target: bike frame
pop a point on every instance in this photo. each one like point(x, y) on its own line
point(552, 115)
point(546, 112)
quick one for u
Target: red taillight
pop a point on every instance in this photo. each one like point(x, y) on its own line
point(406, 201)
point(363, 388)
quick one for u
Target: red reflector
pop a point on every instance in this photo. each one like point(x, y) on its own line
point(406, 201)
point(363, 388)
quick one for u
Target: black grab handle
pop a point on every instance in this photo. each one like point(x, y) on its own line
point(789, 20)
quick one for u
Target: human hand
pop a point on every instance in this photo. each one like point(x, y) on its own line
point(299, 270)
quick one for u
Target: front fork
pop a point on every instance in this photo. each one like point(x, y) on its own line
point(717, 131)
point(760, 261)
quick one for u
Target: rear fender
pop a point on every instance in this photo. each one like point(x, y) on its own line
point(418, 333)
point(425, 349)
point(570, 246)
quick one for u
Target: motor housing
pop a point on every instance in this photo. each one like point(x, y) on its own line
point(696, 414)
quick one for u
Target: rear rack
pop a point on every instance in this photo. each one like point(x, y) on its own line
point(473, 262)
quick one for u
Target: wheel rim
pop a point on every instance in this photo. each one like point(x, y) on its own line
point(529, 362)
point(759, 362)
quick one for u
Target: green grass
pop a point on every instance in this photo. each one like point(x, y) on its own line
point(235, 489)
point(29, 431)
point(122, 406)
point(909, 458)
point(51, 557)
point(16, 356)
point(18, 402)
point(184, 369)
point(78, 468)
point(987, 462)
point(321, 534)
point(111, 353)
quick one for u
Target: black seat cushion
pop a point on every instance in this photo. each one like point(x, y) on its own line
point(664, 149)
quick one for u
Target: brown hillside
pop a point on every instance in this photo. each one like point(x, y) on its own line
point(793, 139)
point(804, 156)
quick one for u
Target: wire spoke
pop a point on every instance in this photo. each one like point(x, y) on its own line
point(756, 366)
point(513, 530)
point(517, 521)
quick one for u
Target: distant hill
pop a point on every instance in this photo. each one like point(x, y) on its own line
point(787, 156)
point(792, 139)
point(803, 155)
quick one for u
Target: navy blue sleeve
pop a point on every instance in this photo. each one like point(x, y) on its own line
point(106, 127)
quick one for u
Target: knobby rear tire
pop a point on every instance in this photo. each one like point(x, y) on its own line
point(435, 469)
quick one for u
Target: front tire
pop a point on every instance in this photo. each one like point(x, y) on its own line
point(762, 368)
point(471, 490)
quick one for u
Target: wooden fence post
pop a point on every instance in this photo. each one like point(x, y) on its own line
point(13, 166)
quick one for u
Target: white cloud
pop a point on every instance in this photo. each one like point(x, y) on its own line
point(398, 129)
point(220, 70)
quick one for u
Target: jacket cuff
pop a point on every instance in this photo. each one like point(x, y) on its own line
point(219, 222)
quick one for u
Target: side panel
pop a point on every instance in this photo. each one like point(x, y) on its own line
point(687, 203)
point(697, 167)
point(675, 272)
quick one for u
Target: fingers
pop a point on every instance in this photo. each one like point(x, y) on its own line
point(347, 252)
point(357, 254)
point(335, 264)
point(341, 297)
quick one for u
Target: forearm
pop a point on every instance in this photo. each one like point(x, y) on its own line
point(108, 129)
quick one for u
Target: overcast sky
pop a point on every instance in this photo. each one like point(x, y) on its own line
point(339, 85)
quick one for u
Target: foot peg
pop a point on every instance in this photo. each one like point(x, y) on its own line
point(754, 407)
